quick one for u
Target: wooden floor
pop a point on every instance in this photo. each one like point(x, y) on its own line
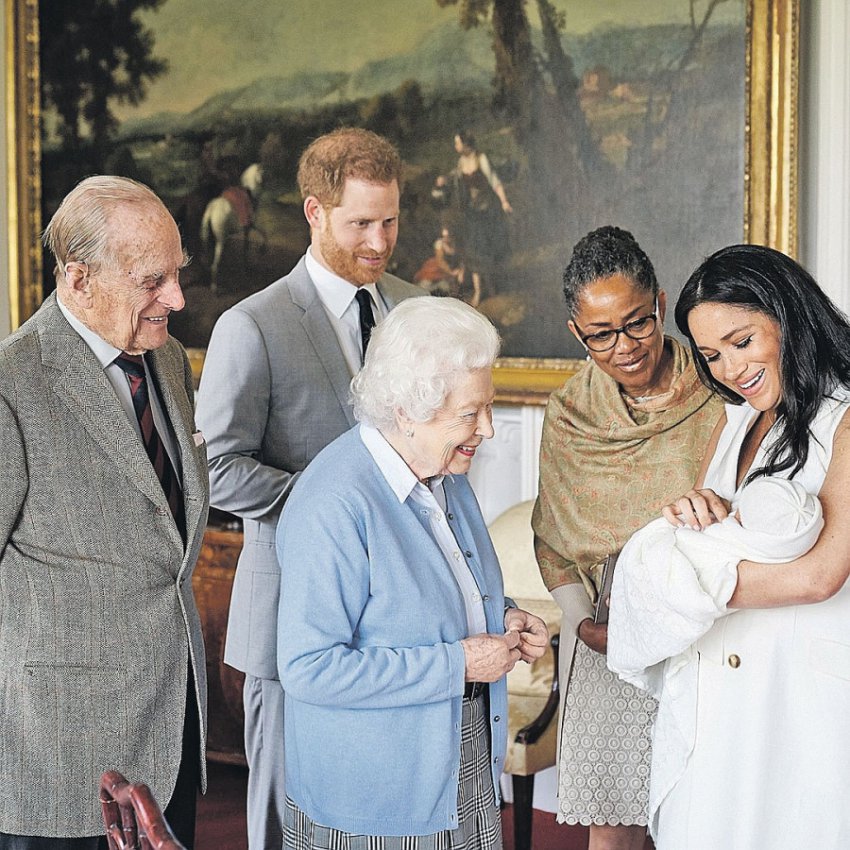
point(221, 818)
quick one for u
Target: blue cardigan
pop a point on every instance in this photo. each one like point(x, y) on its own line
point(369, 630)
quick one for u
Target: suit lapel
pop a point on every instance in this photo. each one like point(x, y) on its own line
point(393, 290)
point(83, 387)
point(321, 335)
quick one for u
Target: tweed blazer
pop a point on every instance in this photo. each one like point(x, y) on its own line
point(273, 394)
point(97, 617)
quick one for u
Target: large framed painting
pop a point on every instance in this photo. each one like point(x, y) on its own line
point(523, 124)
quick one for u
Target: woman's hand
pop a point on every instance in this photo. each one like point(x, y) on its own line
point(489, 657)
point(595, 635)
point(533, 634)
point(697, 509)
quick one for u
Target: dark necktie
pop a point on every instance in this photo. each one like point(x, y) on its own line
point(367, 317)
point(134, 366)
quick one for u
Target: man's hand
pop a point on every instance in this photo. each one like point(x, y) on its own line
point(533, 634)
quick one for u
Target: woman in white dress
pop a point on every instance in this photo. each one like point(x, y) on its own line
point(768, 765)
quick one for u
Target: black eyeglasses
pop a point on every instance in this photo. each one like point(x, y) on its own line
point(637, 329)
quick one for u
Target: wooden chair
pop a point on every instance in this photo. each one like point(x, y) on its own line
point(132, 817)
point(533, 695)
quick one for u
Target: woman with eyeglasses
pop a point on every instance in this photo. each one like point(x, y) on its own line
point(620, 439)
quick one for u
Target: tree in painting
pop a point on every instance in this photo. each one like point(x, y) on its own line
point(94, 53)
point(597, 147)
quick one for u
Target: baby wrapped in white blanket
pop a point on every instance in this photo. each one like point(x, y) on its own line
point(670, 586)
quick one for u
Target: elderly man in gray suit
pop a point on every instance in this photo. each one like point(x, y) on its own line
point(104, 506)
point(274, 392)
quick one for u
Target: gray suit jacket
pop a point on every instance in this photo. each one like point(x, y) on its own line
point(97, 617)
point(273, 394)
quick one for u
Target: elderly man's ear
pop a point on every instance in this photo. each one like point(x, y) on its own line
point(78, 284)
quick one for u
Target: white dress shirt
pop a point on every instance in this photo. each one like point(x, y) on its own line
point(431, 503)
point(337, 296)
point(106, 354)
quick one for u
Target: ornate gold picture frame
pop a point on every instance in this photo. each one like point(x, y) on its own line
point(769, 134)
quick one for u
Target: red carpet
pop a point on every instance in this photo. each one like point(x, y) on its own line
point(221, 818)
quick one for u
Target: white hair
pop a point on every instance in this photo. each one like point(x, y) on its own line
point(80, 228)
point(415, 358)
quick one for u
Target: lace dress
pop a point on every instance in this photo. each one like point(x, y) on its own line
point(605, 746)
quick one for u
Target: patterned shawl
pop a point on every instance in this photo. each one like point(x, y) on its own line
point(608, 465)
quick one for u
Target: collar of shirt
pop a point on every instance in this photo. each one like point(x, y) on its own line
point(336, 292)
point(397, 473)
point(102, 350)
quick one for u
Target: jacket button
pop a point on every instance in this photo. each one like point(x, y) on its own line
point(161, 512)
point(734, 661)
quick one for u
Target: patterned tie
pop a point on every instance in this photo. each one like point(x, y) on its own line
point(134, 366)
point(367, 317)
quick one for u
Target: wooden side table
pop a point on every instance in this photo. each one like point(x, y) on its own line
point(212, 582)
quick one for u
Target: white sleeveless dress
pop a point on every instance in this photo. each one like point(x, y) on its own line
point(770, 767)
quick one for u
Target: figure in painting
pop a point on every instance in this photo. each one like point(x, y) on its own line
point(444, 272)
point(477, 193)
point(232, 213)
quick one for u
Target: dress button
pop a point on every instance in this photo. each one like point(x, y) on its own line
point(734, 661)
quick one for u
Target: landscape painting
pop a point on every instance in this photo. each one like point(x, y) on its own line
point(573, 113)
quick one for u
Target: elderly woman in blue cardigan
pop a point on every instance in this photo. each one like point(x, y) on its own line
point(394, 636)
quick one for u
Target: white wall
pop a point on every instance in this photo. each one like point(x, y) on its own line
point(825, 145)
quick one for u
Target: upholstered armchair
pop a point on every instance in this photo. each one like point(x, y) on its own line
point(532, 689)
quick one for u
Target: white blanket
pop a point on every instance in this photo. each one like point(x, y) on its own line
point(670, 586)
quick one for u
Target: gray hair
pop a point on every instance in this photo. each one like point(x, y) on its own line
point(416, 356)
point(79, 230)
point(601, 254)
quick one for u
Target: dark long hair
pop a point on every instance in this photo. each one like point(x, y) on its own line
point(814, 354)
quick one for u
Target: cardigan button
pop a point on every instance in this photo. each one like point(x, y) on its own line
point(734, 661)
point(468, 553)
